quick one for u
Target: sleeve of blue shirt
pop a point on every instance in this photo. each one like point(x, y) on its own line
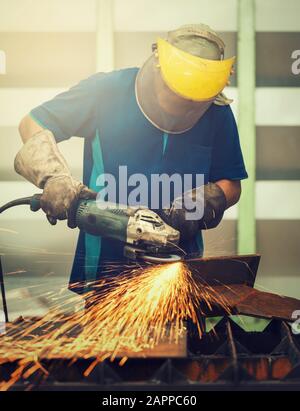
point(74, 112)
point(227, 158)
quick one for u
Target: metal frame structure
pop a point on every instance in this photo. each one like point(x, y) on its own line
point(225, 358)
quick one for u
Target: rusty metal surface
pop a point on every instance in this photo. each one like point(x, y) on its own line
point(244, 300)
point(226, 356)
point(237, 269)
point(232, 278)
point(266, 305)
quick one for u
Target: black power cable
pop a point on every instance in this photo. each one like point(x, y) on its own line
point(34, 202)
point(3, 293)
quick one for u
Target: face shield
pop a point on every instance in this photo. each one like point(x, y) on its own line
point(174, 88)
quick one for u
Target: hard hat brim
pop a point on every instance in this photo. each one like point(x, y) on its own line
point(192, 77)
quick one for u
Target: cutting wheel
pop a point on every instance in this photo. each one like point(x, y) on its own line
point(157, 258)
point(161, 259)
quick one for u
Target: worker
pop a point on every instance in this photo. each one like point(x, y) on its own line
point(170, 116)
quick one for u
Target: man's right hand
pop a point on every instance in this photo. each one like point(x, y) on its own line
point(60, 194)
point(41, 163)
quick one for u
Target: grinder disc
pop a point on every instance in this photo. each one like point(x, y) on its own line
point(160, 259)
point(134, 253)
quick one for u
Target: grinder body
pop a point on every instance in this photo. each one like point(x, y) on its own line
point(144, 234)
point(105, 222)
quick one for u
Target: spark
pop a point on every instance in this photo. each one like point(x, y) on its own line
point(7, 230)
point(16, 272)
point(126, 313)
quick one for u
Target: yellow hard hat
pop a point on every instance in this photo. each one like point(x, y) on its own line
point(190, 76)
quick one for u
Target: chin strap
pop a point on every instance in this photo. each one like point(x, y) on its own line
point(222, 100)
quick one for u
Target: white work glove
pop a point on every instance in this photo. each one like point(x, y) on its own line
point(41, 163)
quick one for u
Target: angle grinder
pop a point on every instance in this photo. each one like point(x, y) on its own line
point(144, 234)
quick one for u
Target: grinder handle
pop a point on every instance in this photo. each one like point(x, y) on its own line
point(35, 202)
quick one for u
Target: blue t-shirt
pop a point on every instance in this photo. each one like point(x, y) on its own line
point(103, 110)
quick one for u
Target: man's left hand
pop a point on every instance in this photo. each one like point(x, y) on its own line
point(211, 200)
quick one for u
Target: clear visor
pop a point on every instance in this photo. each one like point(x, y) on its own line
point(164, 108)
